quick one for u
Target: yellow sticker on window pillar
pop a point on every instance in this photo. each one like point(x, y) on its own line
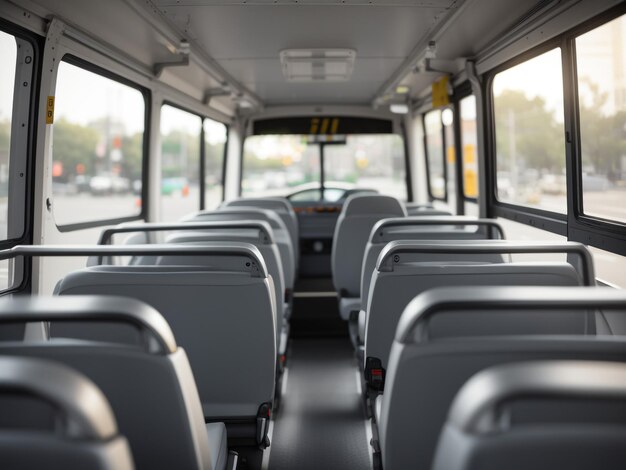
point(440, 92)
point(50, 110)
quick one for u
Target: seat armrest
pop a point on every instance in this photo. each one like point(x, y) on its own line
point(348, 305)
point(362, 320)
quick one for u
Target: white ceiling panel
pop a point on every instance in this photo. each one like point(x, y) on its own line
point(385, 3)
point(481, 23)
point(116, 23)
point(247, 39)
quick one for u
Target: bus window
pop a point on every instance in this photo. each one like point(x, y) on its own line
point(180, 161)
point(469, 139)
point(97, 148)
point(530, 144)
point(609, 267)
point(290, 165)
point(215, 136)
point(276, 165)
point(8, 58)
point(601, 69)
point(435, 154)
point(447, 119)
point(367, 161)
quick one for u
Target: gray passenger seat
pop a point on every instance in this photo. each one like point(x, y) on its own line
point(56, 418)
point(255, 232)
point(408, 268)
point(426, 372)
point(214, 307)
point(358, 215)
point(149, 385)
point(418, 228)
point(285, 211)
point(585, 427)
point(281, 233)
point(260, 235)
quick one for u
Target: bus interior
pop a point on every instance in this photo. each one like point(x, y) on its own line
point(313, 234)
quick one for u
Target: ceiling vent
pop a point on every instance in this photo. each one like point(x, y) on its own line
point(317, 65)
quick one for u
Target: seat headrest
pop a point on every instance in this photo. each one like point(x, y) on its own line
point(360, 204)
point(273, 203)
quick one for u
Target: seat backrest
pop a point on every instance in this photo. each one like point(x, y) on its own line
point(281, 234)
point(426, 212)
point(149, 386)
point(416, 206)
point(421, 228)
point(267, 248)
point(424, 374)
point(359, 214)
point(393, 287)
point(585, 427)
point(87, 436)
point(214, 311)
point(254, 232)
point(282, 207)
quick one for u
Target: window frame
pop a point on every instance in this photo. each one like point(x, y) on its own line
point(202, 157)
point(592, 230)
point(533, 216)
point(145, 163)
point(407, 161)
point(606, 234)
point(175, 105)
point(460, 93)
point(203, 163)
point(29, 144)
point(431, 197)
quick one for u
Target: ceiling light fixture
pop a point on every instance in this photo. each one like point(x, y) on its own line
point(317, 65)
point(399, 108)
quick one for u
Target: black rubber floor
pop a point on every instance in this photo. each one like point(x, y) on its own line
point(321, 423)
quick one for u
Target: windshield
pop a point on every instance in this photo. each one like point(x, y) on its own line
point(290, 165)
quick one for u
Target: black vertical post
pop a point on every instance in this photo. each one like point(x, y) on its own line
point(202, 167)
point(322, 146)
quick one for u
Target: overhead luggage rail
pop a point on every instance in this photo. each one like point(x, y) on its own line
point(497, 298)
point(254, 264)
point(266, 235)
point(392, 253)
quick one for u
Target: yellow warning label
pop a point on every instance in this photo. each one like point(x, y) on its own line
point(451, 155)
point(50, 110)
point(470, 182)
point(440, 92)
